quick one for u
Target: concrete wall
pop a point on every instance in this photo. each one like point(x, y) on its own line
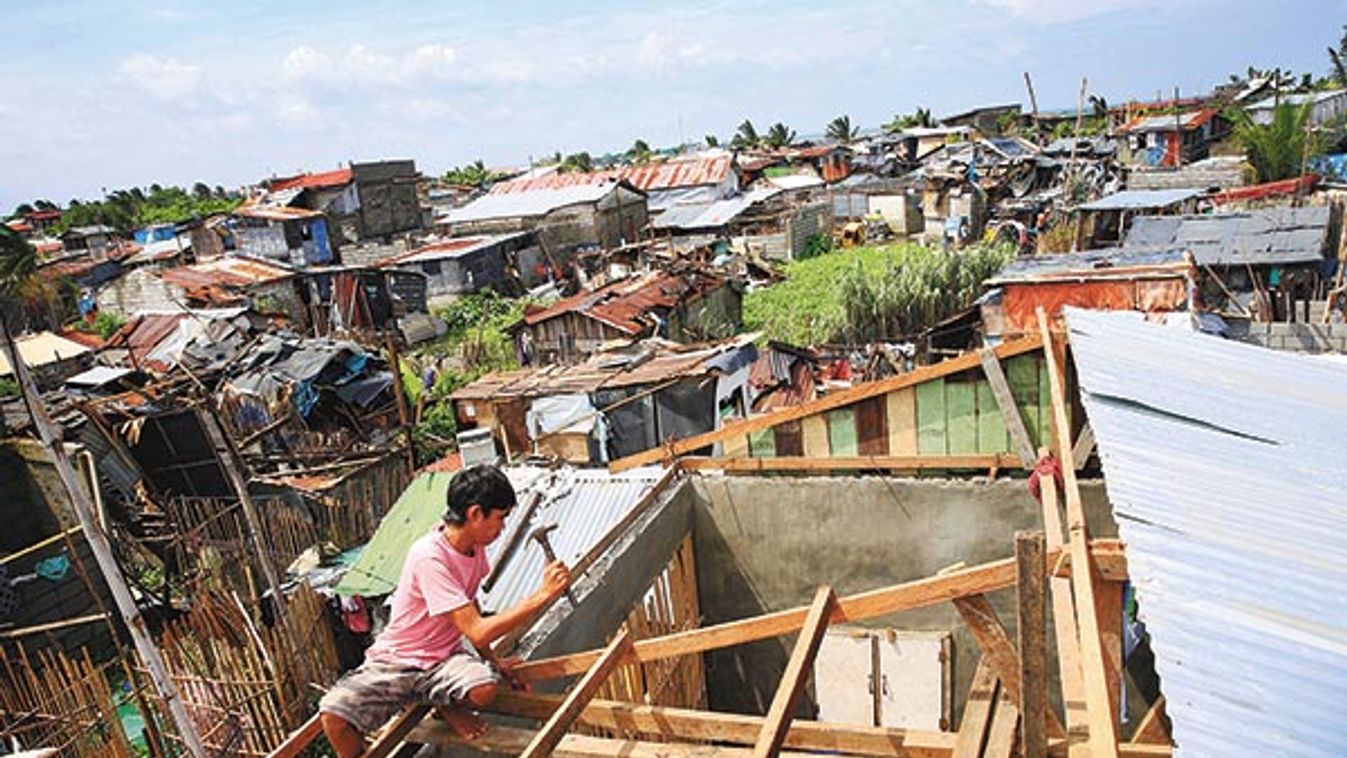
point(765, 544)
point(1296, 337)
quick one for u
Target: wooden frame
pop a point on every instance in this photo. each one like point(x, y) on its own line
point(777, 723)
point(545, 741)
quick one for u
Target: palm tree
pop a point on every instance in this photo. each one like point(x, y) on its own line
point(1338, 58)
point(711, 140)
point(779, 135)
point(840, 130)
point(23, 291)
point(578, 162)
point(1277, 149)
point(746, 136)
point(474, 174)
point(639, 152)
point(918, 118)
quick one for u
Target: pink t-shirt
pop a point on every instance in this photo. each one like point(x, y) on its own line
point(436, 579)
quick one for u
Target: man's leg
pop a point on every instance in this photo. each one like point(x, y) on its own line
point(458, 687)
point(343, 737)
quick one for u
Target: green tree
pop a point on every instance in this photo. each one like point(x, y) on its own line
point(23, 209)
point(36, 300)
point(779, 135)
point(711, 140)
point(640, 152)
point(474, 174)
point(1338, 57)
point(921, 117)
point(746, 136)
point(1277, 149)
point(201, 191)
point(840, 130)
point(580, 162)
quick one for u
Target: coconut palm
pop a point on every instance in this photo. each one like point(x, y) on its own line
point(640, 152)
point(1276, 150)
point(746, 136)
point(840, 130)
point(779, 135)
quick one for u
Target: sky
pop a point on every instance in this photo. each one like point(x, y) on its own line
point(101, 94)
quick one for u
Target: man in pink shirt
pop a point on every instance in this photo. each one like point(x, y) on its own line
point(420, 654)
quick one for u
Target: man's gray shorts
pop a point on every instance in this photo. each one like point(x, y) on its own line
point(370, 695)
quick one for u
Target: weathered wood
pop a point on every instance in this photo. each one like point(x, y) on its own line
point(545, 741)
point(977, 712)
point(848, 462)
point(998, 650)
point(299, 740)
point(1010, 411)
point(51, 626)
point(504, 740)
point(920, 593)
point(839, 399)
point(1108, 601)
point(1029, 584)
point(395, 731)
point(1080, 452)
point(787, 697)
point(1005, 725)
point(1100, 715)
point(1064, 626)
point(684, 724)
point(1110, 561)
point(1154, 726)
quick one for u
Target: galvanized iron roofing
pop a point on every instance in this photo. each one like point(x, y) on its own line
point(1224, 466)
point(710, 168)
point(1264, 236)
point(528, 203)
point(1128, 200)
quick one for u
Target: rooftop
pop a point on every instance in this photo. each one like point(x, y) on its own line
point(1141, 199)
point(622, 303)
point(709, 168)
point(527, 203)
point(42, 349)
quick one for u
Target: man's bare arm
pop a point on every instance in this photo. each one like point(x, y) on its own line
point(481, 630)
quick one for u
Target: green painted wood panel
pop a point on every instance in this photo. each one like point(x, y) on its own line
point(1045, 404)
point(762, 444)
point(961, 417)
point(842, 431)
point(1022, 376)
point(931, 437)
point(992, 434)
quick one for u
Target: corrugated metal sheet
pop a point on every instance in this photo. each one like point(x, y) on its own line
point(451, 248)
point(1263, 236)
point(711, 215)
point(529, 203)
point(1139, 199)
point(585, 503)
point(1224, 465)
point(1103, 261)
point(229, 272)
point(690, 172)
point(42, 349)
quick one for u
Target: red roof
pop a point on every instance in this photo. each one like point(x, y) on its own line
point(91, 341)
point(19, 225)
point(1270, 189)
point(652, 176)
point(141, 334)
point(621, 304)
point(47, 215)
point(225, 272)
point(446, 465)
point(337, 178)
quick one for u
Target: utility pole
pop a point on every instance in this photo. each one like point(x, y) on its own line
point(102, 550)
point(1033, 103)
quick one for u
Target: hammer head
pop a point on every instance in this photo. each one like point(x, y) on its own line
point(543, 532)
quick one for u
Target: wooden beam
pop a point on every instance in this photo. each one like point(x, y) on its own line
point(1101, 717)
point(977, 712)
point(1030, 592)
point(1083, 447)
point(998, 650)
point(505, 740)
point(920, 593)
point(964, 362)
point(395, 731)
point(680, 724)
point(545, 741)
point(1108, 610)
point(787, 697)
point(1154, 726)
point(1004, 727)
point(299, 740)
point(851, 462)
point(1010, 411)
point(1110, 560)
point(1064, 626)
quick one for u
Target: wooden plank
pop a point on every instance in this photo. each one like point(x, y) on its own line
point(788, 439)
point(1002, 732)
point(977, 712)
point(992, 434)
point(1083, 447)
point(920, 593)
point(932, 424)
point(815, 432)
point(299, 740)
point(787, 697)
point(901, 410)
point(1010, 412)
point(782, 463)
point(839, 399)
point(395, 731)
point(504, 740)
point(872, 433)
point(735, 446)
point(1154, 726)
point(675, 724)
point(1022, 375)
point(1110, 561)
point(1032, 626)
point(1101, 716)
point(762, 444)
point(998, 650)
point(1108, 601)
point(1064, 626)
point(545, 741)
point(961, 412)
point(842, 432)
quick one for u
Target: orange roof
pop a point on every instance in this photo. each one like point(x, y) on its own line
point(226, 272)
point(337, 178)
point(691, 172)
point(91, 341)
point(621, 304)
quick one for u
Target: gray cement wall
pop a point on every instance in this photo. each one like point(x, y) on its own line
point(1296, 337)
point(765, 543)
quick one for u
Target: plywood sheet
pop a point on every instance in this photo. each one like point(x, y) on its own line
point(842, 431)
point(902, 421)
point(931, 437)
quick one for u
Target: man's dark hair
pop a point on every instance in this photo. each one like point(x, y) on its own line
point(484, 485)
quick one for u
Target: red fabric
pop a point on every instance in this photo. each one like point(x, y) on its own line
point(1049, 466)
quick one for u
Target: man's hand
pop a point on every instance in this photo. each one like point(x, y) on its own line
point(556, 578)
point(507, 667)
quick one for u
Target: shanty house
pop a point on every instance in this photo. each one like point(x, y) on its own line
point(293, 236)
point(691, 306)
point(697, 178)
point(1173, 139)
point(96, 239)
point(613, 404)
point(1328, 106)
point(462, 265)
point(988, 119)
point(604, 214)
point(50, 358)
point(1104, 222)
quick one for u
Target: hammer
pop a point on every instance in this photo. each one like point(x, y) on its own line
point(540, 536)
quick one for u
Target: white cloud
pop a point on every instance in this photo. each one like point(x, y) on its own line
point(165, 78)
point(1063, 11)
